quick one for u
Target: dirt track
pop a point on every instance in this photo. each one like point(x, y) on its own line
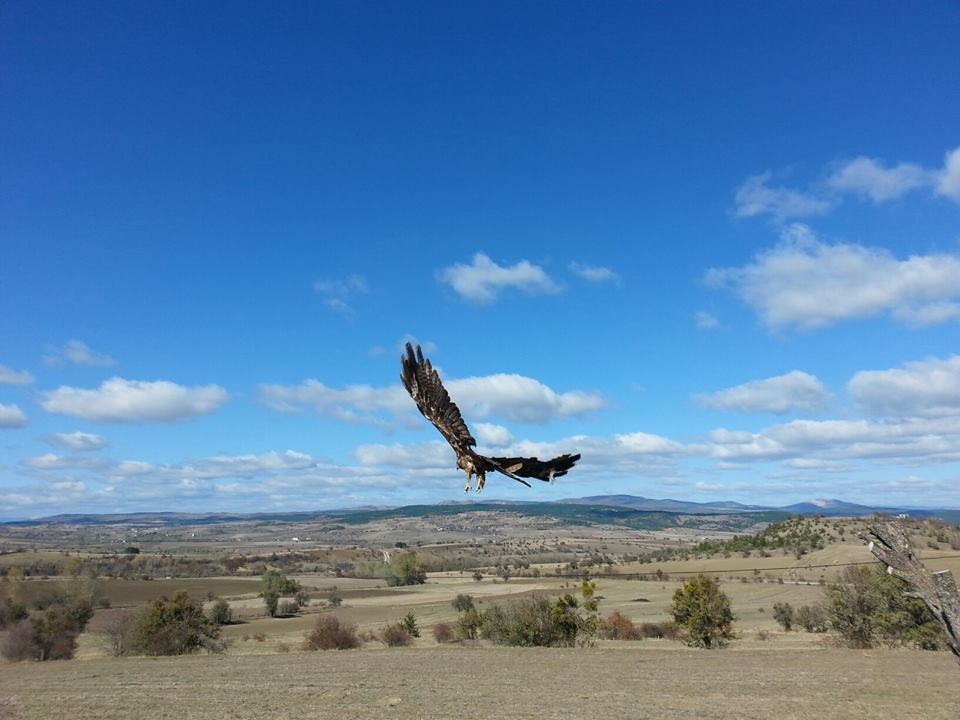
point(635, 680)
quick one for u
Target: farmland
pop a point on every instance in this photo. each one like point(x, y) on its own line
point(265, 672)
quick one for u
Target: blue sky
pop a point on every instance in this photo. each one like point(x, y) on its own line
point(714, 247)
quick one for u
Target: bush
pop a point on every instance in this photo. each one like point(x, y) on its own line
point(330, 634)
point(868, 606)
point(534, 622)
point(812, 618)
point(783, 614)
point(221, 613)
point(617, 626)
point(406, 570)
point(462, 602)
point(395, 635)
point(469, 624)
point(287, 608)
point(172, 627)
point(703, 612)
point(443, 632)
point(409, 623)
point(18, 643)
point(659, 631)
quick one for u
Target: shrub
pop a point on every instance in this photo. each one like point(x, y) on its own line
point(812, 618)
point(395, 635)
point(271, 599)
point(406, 570)
point(17, 644)
point(286, 608)
point(330, 634)
point(783, 614)
point(534, 622)
point(12, 612)
point(617, 626)
point(221, 613)
point(48, 635)
point(469, 624)
point(703, 612)
point(462, 602)
point(443, 632)
point(409, 623)
point(173, 627)
point(868, 606)
point(659, 631)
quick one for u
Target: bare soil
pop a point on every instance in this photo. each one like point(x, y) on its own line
point(650, 679)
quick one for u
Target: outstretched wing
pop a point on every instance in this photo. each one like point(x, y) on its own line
point(546, 470)
point(423, 384)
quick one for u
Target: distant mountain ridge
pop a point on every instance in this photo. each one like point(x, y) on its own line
point(614, 504)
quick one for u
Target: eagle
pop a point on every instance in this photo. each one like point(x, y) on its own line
point(434, 403)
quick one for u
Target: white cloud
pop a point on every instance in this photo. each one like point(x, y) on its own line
point(925, 388)
point(75, 352)
point(512, 397)
point(12, 377)
point(491, 435)
point(755, 197)
point(11, 416)
point(925, 440)
point(339, 293)
point(809, 284)
point(78, 441)
point(519, 398)
point(483, 280)
point(867, 178)
point(594, 274)
point(706, 321)
point(796, 390)
point(948, 180)
point(355, 403)
point(135, 401)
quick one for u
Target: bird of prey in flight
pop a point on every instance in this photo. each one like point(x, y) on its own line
point(423, 384)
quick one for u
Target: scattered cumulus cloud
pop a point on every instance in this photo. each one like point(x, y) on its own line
point(924, 388)
point(78, 441)
point(794, 391)
point(482, 280)
point(863, 177)
point(868, 179)
point(492, 435)
point(808, 284)
point(12, 377)
point(135, 401)
point(511, 397)
point(11, 416)
point(338, 294)
point(594, 273)
point(756, 197)
point(518, 398)
point(353, 404)
point(75, 352)
point(948, 179)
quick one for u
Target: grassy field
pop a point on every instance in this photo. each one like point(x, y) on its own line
point(650, 679)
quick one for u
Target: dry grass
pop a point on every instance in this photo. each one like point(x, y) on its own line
point(649, 679)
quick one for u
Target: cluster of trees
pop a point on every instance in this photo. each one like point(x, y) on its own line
point(46, 627)
point(866, 607)
point(797, 535)
point(536, 621)
point(404, 569)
